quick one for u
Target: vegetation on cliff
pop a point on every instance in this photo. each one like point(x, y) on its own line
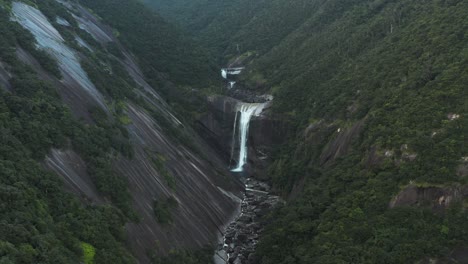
point(163, 52)
point(39, 221)
point(376, 91)
point(391, 76)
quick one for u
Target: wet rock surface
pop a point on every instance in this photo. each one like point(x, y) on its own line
point(266, 131)
point(242, 235)
point(206, 195)
point(249, 96)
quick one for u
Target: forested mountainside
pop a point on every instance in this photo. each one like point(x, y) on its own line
point(162, 49)
point(223, 26)
point(99, 162)
point(377, 169)
point(95, 167)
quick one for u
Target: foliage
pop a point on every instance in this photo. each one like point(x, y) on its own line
point(171, 62)
point(27, 41)
point(162, 210)
point(399, 67)
point(160, 48)
point(39, 221)
point(159, 161)
point(224, 26)
point(203, 256)
point(89, 252)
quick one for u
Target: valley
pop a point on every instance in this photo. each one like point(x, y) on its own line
point(240, 132)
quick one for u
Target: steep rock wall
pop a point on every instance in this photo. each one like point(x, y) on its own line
point(434, 197)
point(217, 125)
point(266, 131)
point(204, 189)
point(72, 168)
point(4, 77)
point(201, 189)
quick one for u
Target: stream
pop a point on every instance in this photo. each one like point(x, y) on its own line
point(240, 239)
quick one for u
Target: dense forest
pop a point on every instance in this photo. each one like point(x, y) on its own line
point(375, 91)
point(40, 222)
point(162, 50)
point(389, 74)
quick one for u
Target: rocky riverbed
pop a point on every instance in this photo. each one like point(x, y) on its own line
point(241, 236)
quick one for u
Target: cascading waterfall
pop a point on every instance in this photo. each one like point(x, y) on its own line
point(224, 73)
point(246, 112)
point(233, 138)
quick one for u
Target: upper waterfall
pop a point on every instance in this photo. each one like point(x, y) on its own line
point(247, 110)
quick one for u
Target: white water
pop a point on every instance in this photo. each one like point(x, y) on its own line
point(231, 85)
point(235, 72)
point(231, 71)
point(233, 138)
point(246, 112)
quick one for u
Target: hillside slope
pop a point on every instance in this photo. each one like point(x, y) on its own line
point(377, 169)
point(95, 165)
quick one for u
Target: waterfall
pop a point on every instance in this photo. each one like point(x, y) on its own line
point(224, 73)
point(233, 138)
point(246, 113)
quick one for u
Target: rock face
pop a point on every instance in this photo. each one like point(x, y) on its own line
point(462, 169)
point(457, 256)
point(217, 125)
point(437, 198)
point(248, 96)
point(4, 77)
point(265, 132)
point(204, 189)
point(241, 236)
point(48, 38)
point(72, 168)
point(340, 145)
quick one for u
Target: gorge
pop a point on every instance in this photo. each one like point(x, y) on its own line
point(246, 111)
point(162, 166)
point(233, 131)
